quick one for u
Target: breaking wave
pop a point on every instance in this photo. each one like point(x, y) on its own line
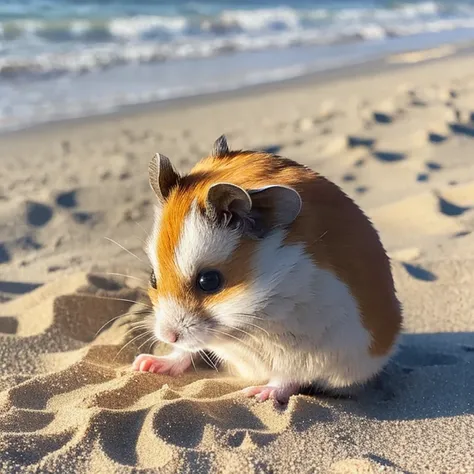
point(51, 47)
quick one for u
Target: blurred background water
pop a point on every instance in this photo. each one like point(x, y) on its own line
point(70, 58)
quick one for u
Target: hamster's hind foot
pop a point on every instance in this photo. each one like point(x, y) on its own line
point(274, 390)
point(173, 364)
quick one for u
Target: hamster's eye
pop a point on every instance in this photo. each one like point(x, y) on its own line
point(153, 279)
point(210, 281)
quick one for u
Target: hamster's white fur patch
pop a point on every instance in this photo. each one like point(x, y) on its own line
point(275, 263)
point(296, 298)
point(201, 243)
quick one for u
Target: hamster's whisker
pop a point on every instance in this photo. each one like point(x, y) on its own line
point(242, 331)
point(128, 251)
point(260, 313)
point(109, 321)
point(143, 325)
point(146, 342)
point(133, 329)
point(140, 239)
point(192, 361)
point(115, 318)
point(227, 334)
point(321, 236)
point(207, 363)
point(258, 327)
point(251, 316)
point(142, 228)
point(140, 325)
point(210, 363)
point(128, 343)
point(123, 299)
point(127, 276)
point(148, 317)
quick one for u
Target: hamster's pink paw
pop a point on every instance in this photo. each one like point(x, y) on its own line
point(161, 365)
point(280, 393)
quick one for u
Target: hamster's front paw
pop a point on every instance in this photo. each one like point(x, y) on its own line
point(173, 364)
point(275, 390)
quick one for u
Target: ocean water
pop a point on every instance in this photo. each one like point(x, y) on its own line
point(69, 58)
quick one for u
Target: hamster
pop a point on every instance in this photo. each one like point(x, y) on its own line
point(272, 268)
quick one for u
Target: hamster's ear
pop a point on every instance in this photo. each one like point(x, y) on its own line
point(257, 211)
point(162, 176)
point(274, 206)
point(220, 147)
point(226, 203)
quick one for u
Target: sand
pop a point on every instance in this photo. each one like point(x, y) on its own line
point(399, 141)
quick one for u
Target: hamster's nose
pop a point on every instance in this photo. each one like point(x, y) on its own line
point(170, 336)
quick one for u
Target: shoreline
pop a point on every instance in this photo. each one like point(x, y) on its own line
point(338, 73)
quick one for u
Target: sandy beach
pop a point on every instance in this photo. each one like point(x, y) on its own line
point(398, 138)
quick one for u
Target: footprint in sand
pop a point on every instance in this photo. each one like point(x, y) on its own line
point(18, 288)
point(121, 426)
point(462, 129)
point(361, 189)
point(102, 282)
point(352, 178)
point(433, 166)
point(450, 209)
point(28, 242)
point(4, 254)
point(354, 141)
point(38, 214)
point(8, 325)
point(416, 102)
point(462, 233)
point(389, 156)
point(349, 177)
point(29, 421)
point(436, 138)
point(67, 199)
point(82, 217)
point(32, 447)
point(191, 437)
point(418, 272)
point(382, 117)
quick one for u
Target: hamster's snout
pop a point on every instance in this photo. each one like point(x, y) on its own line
point(170, 336)
point(167, 333)
point(185, 336)
point(176, 324)
point(189, 334)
